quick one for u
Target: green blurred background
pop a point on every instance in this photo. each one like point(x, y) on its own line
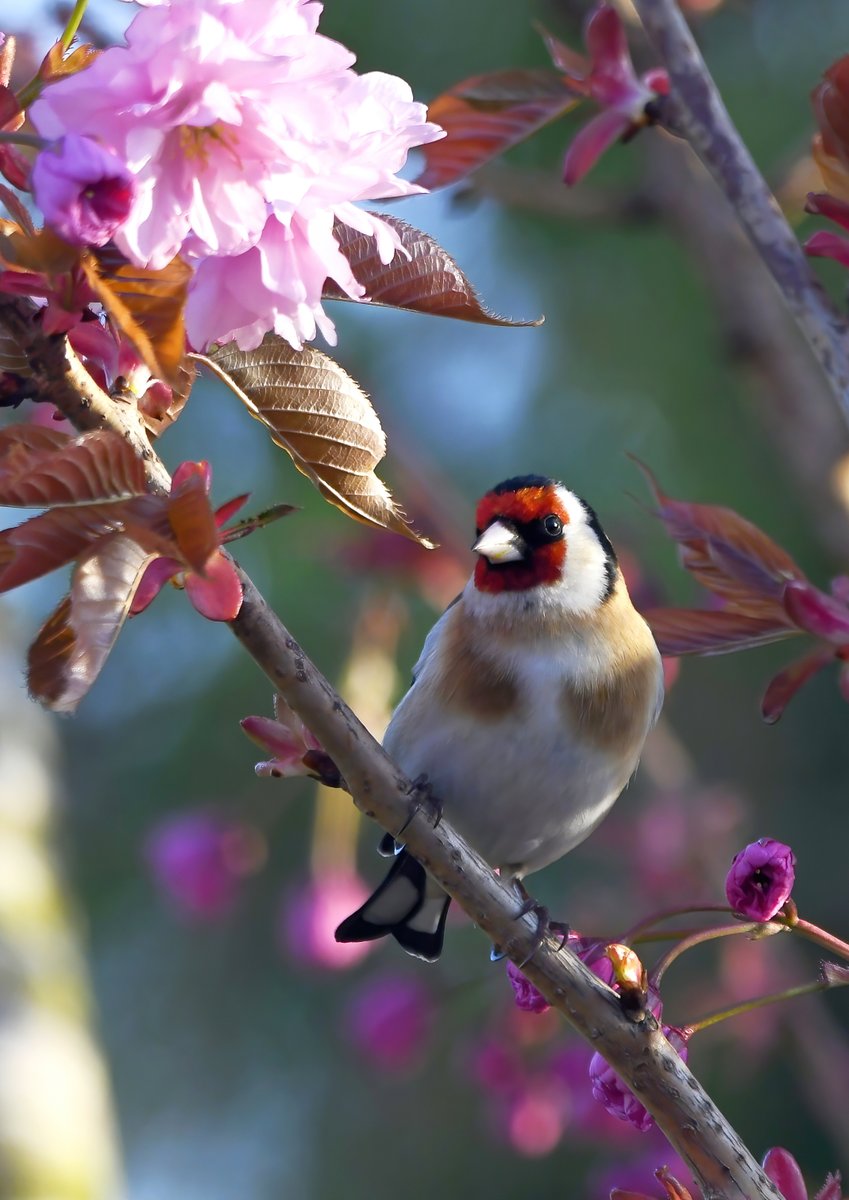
point(233, 1067)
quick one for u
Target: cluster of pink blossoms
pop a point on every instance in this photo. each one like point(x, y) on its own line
point(233, 134)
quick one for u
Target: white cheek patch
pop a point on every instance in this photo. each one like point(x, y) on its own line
point(585, 571)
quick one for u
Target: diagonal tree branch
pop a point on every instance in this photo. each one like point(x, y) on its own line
point(695, 109)
point(637, 1050)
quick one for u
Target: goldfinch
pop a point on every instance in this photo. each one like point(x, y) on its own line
point(529, 705)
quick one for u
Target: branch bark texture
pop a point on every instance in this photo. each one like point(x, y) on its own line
point(695, 109)
point(638, 1051)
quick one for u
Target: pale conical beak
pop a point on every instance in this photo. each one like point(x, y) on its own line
point(500, 543)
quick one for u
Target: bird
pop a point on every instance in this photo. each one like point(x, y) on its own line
point(529, 706)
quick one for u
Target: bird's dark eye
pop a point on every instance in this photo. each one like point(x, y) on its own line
point(552, 525)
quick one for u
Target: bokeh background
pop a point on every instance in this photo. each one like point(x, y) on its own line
point(182, 1025)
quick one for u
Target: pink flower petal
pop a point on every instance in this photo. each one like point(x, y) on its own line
point(591, 142)
point(823, 205)
point(605, 39)
point(828, 245)
point(225, 511)
point(783, 1170)
point(815, 612)
point(217, 595)
point(187, 471)
point(160, 571)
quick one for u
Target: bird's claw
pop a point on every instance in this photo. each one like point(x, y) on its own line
point(422, 800)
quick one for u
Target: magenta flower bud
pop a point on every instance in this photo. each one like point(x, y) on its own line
point(527, 997)
point(84, 190)
point(612, 1093)
point(761, 879)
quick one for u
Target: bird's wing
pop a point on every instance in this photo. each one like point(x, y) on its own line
point(432, 639)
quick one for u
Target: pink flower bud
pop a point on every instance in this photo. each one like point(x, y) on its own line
point(612, 1093)
point(527, 997)
point(761, 879)
point(84, 190)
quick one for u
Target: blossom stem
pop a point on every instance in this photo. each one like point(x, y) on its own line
point(696, 939)
point(23, 139)
point(803, 989)
point(637, 931)
point(74, 22)
point(822, 938)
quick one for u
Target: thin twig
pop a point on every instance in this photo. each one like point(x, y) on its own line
point(695, 109)
point(637, 1051)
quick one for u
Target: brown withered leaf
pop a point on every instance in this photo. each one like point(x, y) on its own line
point(317, 413)
point(40, 467)
point(146, 305)
point(486, 115)
point(429, 281)
point(71, 648)
point(697, 631)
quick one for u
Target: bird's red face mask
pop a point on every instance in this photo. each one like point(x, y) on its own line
point(521, 539)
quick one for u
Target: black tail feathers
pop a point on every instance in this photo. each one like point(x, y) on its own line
point(407, 905)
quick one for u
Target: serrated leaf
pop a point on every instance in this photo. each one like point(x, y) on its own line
point(486, 115)
point(48, 468)
point(146, 305)
point(317, 413)
point(694, 631)
point(429, 281)
point(57, 63)
point(69, 652)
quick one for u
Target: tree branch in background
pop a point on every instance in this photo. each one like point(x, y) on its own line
point(637, 1050)
point(695, 109)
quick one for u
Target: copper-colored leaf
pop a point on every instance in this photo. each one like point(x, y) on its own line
point(12, 359)
point(158, 415)
point(69, 652)
point(60, 535)
point(784, 686)
point(429, 281)
point(322, 418)
point(45, 468)
point(192, 520)
point(146, 305)
point(16, 207)
point(722, 549)
point(695, 631)
point(486, 115)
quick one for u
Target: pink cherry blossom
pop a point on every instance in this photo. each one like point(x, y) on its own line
point(249, 135)
point(84, 191)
